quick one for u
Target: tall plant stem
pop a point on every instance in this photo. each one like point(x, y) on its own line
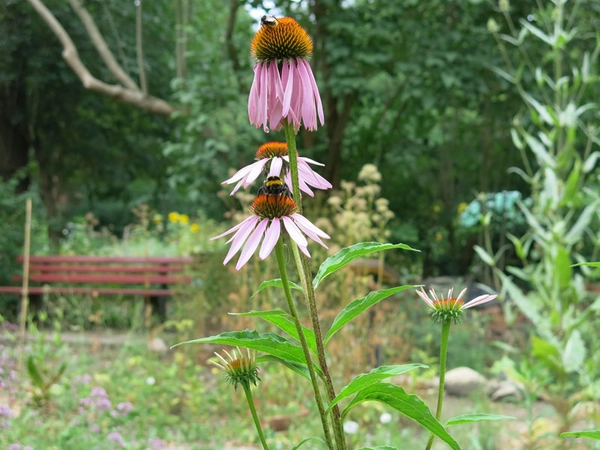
point(303, 343)
point(303, 266)
point(443, 355)
point(250, 401)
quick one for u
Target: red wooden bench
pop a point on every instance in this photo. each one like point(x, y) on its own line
point(104, 275)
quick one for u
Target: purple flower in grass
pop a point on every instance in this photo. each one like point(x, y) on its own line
point(274, 155)
point(116, 437)
point(284, 88)
point(269, 213)
point(124, 408)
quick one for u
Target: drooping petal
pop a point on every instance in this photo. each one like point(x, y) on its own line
point(253, 98)
point(479, 301)
point(294, 232)
point(288, 82)
point(271, 238)
point(309, 113)
point(263, 105)
point(231, 230)
point(304, 250)
point(276, 165)
point(252, 244)
point(304, 159)
point(240, 237)
point(310, 229)
point(315, 90)
point(256, 171)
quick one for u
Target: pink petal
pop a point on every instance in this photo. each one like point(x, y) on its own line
point(309, 114)
point(479, 301)
point(294, 232)
point(231, 230)
point(276, 165)
point(271, 238)
point(240, 237)
point(288, 81)
point(263, 105)
point(425, 297)
point(252, 244)
point(315, 90)
point(306, 160)
point(242, 173)
point(256, 171)
point(308, 227)
point(253, 98)
point(304, 250)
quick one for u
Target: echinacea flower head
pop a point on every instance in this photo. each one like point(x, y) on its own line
point(449, 308)
point(240, 368)
point(269, 213)
point(284, 87)
point(273, 158)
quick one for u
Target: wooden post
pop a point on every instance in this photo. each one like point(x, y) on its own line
point(25, 288)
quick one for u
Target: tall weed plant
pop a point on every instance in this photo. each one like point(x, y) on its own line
point(553, 63)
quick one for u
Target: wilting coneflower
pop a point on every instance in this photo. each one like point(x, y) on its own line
point(269, 212)
point(284, 87)
point(275, 156)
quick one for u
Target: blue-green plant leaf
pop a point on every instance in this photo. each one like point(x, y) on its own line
point(470, 418)
point(300, 369)
point(276, 283)
point(345, 255)
point(270, 343)
point(360, 305)
point(283, 321)
point(364, 380)
point(408, 404)
point(307, 440)
point(592, 434)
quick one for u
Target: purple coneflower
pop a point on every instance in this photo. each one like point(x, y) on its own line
point(275, 155)
point(284, 86)
point(268, 213)
point(451, 308)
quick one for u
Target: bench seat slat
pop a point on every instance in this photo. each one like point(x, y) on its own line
point(87, 290)
point(107, 269)
point(109, 259)
point(107, 279)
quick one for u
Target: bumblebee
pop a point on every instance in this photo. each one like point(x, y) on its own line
point(269, 21)
point(274, 186)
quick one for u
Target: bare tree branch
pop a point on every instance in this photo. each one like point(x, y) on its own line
point(100, 44)
point(139, 47)
point(71, 56)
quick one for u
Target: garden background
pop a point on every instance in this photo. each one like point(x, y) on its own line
point(464, 129)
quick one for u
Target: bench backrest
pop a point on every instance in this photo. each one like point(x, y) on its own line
point(108, 270)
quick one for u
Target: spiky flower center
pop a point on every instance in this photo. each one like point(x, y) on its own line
point(280, 38)
point(447, 310)
point(271, 150)
point(240, 368)
point(273, 206)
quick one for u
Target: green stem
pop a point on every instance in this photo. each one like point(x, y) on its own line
point(290, 138)
point(303, 343)
point(248, 393)
point(443, 355)
point(303, 269)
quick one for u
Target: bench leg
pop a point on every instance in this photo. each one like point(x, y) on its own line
point(148, 312)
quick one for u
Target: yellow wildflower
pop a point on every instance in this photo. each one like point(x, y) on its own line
point(173, 217)
point(184, 218)
point(194, 227)
point(461, 207)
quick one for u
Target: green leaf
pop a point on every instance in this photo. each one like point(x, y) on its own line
point(364, 380)
point(283, 321)
point(540, 151)
point(276, 283)
point(537, 32)
point(562, 267)
point(592, 434)
point(270, 343)
point(360, 305)
point(300, 369)
point(344, 256)
point(34, 373)
point(485, 256)
point(307, 440)
point(470, 418)
point(584, 219)
point(409, 405)
point(504, 74)
point(588, 264)
point(574, 353)
point(379, 447)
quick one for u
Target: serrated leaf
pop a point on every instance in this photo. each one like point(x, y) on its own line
point(360, 305)
point(591, 434)
point(344, 256)
point(364, 380)
point(408, 404)
point(276, 283)
point(283, 321)
point(270, 343)
point(471, 418)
